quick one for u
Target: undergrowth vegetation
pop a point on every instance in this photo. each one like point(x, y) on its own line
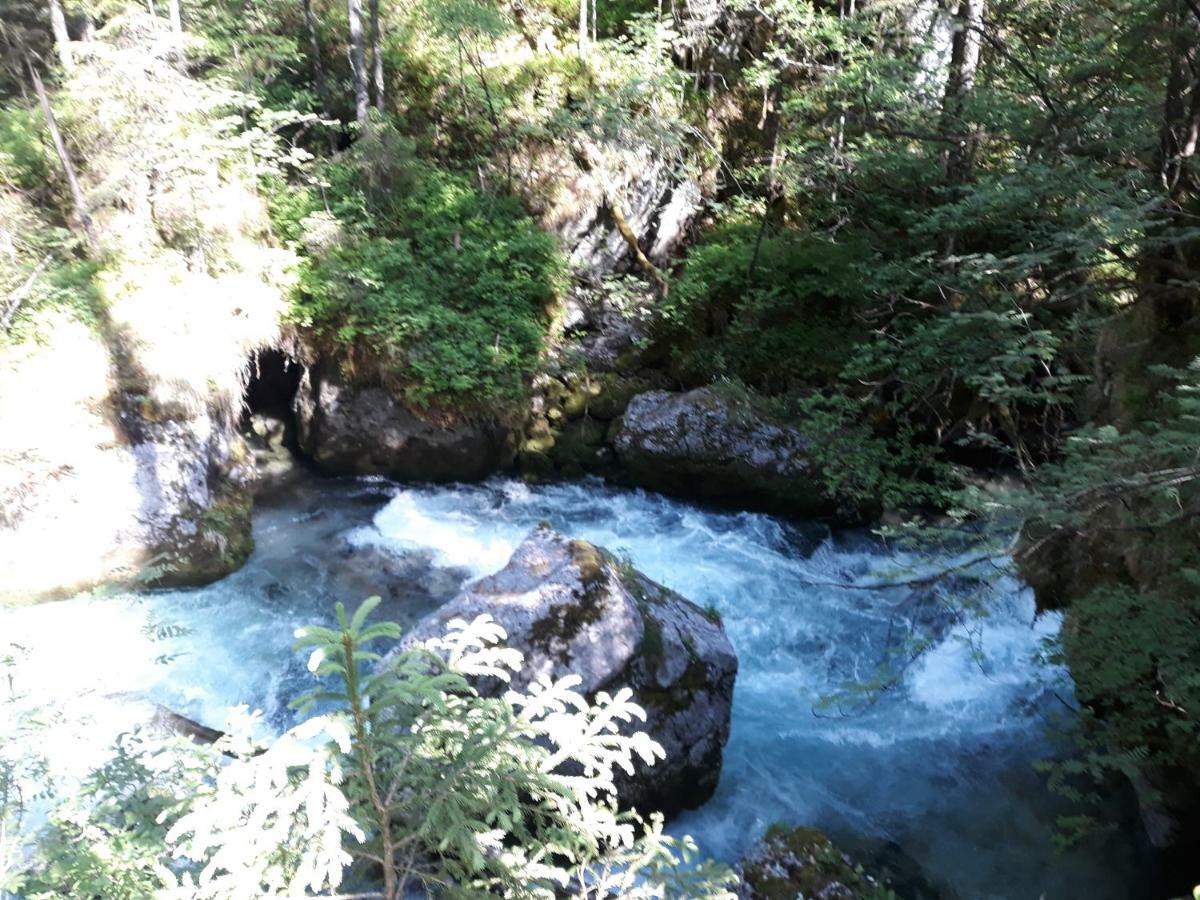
point(414, 277)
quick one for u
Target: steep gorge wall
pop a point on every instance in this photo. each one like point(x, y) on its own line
point(118, 424)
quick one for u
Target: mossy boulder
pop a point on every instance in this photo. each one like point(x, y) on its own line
point(791, 863)
point(352, 429)
point(710, 445)
point(615, 391)
point(573, 608)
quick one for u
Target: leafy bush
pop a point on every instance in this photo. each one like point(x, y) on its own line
point(443, 292)
point(776, 314)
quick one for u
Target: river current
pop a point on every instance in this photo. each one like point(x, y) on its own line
point(932, 775)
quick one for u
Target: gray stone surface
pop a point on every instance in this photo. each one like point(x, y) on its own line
point(706, 444)
point(349, 429)
point(570, 607)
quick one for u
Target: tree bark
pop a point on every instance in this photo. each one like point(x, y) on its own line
point(964, 65)
point(314, 47)
point(62, 39)
point(177, 31)
point(583, 28)
point(376, 55)
point(64, 159)
point(358, 63)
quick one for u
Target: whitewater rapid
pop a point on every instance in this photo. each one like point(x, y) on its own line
point(936, 770)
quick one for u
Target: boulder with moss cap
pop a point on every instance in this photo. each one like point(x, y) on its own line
point(573, 608)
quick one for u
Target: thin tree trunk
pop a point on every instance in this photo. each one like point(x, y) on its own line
point(79, 207)
point(314, 47)
point(1180, 129)
point(631, 240)
point(358, 63)
point(62, 39)
point(89, 29)
point(964, 65)
point(583, 28)
point(1175, 167)
point(376, 55)
point(177, 32)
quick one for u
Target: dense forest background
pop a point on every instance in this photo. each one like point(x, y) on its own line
point(950, 241)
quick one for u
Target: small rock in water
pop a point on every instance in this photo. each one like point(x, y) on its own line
point(802, 862)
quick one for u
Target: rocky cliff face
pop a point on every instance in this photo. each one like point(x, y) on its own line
point(102, 483)
point(119, 454)
point(569, 607)
point(574, 196)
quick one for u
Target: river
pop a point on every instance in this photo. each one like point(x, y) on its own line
point(932, 775)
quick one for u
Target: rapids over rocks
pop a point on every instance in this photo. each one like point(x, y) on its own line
point(933, 776)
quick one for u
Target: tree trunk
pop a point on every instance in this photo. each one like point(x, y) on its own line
point(358, 63)
point(1175, 167)
point(177, 32)
point(1180, 130)
point(62, 39)
point(583, 28)
point(376, 55)
point(964, 64)
point(314, 47)
point(79, 207)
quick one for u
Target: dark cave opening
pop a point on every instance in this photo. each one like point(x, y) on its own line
point(269, 404)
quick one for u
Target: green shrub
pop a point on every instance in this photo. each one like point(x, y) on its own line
point(22, 151)
point(778, 320)
point(445, 292)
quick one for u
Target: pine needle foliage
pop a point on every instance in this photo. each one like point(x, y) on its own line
point(406, 779)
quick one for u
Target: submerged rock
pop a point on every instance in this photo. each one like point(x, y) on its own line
point(570, 607)
point(348, 429)
point(706, 444)
point(791, 863)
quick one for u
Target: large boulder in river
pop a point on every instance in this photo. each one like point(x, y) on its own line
point(706, 443)
point(572, 608)
point(364, 430)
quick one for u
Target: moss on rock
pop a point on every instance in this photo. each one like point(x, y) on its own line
point(791, 863)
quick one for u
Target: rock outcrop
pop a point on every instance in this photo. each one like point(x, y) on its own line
point(570, 607)
point(707, 444)
point(353, 430)
point(573, 193)
point(803, 862)
point(107, 479)
point(119, 453)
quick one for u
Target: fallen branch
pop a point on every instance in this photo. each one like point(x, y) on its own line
point(920, 581)
point(631, 239)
